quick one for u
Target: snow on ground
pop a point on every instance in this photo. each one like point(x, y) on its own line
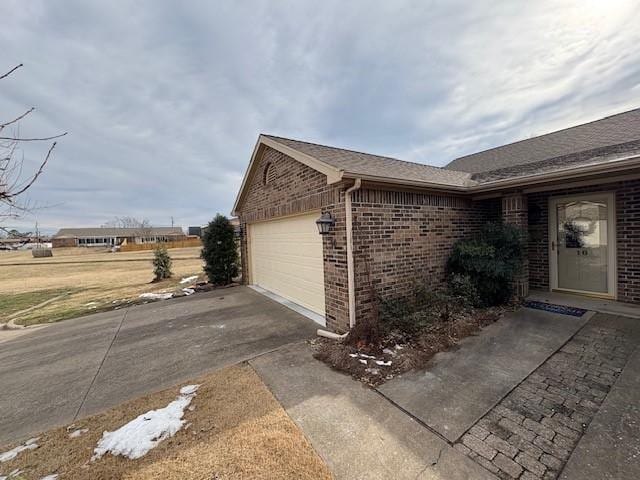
point(156, 296)
point(189, 279)
point(145, 432)
point(188, 291)
point(50, 477)
point(11, 454)
point(77, 433)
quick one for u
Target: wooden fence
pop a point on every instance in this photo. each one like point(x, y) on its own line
point(134, 247)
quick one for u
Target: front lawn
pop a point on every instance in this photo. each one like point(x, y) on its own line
point(234, 429)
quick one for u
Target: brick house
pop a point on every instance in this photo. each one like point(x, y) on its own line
point(576, 191)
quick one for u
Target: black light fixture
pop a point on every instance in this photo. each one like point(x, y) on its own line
point(325, 222)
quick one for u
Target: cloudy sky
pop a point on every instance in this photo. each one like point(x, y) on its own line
point(164, 100)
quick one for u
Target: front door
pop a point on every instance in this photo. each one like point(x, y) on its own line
point(582, 244)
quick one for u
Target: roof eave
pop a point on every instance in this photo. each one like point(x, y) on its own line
point(404, 182)
point(564, 174)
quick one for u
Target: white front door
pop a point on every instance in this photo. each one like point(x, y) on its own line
point(582, 244)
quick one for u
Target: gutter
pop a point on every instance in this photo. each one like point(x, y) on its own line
point(350, 266)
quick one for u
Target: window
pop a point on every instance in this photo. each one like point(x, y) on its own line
point(269, 175)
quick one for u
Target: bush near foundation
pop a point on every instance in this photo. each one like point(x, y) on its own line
point(490, 260)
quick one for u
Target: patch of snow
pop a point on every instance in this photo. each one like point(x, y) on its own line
point(189, 279)
point(11, 454)
point(145, 432)
point(353, 355)
point(370, 357)
point(156, 296)
point(77, 433)
point(188, 291)
point(364, 362)
point(50, 477)
point(398, 347)
point(388, 351)
point(90, 303)
point(383, 363)
point(372, 371)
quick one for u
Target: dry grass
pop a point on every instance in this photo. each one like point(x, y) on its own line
point(238, 431)
point(98, 278)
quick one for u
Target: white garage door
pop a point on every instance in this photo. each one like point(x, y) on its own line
point(286, 258)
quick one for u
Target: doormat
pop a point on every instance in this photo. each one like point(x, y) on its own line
point(550, 307)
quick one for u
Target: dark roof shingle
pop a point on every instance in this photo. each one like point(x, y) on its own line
point(614, 130)
point(358, 163)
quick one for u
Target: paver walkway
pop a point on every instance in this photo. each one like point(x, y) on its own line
point(531, 433)
point(460, 385)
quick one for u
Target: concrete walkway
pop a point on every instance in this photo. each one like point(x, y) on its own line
point(461, 385)
point(75, 368)
point(357, 432)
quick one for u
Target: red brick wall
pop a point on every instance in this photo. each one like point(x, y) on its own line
point(297, 188)
point(63, 242)
point(402, 238)
point(627, 230)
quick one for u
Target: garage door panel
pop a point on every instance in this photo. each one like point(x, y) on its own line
point(286, 258)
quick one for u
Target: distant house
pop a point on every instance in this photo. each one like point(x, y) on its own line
point(110, 237)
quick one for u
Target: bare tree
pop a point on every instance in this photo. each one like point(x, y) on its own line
point(128, 222)
point(14, 182)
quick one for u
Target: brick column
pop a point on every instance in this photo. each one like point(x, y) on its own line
point(515, 212)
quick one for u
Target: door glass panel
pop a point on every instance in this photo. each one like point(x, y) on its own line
point(583, 245)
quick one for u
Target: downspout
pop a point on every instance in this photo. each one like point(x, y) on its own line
point(350, 266)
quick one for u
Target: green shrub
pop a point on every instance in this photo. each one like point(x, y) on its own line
point(161, 263)
point(491, 259)
point(220, 251)
point(462, 288)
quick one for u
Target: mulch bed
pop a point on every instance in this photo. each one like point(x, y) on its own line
point(374, 364)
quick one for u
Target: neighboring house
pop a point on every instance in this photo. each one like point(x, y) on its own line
point(576, 191)
point(200, 231)
point(110, 237)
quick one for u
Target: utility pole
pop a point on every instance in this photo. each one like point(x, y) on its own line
point(172, 221)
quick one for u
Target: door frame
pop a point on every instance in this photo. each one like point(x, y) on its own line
point(612, 272)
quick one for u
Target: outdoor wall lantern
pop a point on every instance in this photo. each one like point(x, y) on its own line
point(325, 222)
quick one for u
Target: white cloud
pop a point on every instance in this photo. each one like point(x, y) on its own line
point(164, 100)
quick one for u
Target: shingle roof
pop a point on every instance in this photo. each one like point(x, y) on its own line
point(614, 130)
point(595, 156)
point(365, 164)
point(117, 232)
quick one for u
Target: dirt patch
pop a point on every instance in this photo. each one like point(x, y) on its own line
point(374, 364)
point(238, 431)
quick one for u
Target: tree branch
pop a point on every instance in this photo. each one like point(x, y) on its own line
point(17, 119)
point(11, 71)
point(26, 186)
point(43, 139)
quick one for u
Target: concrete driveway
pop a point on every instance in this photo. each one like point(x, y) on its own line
point(52, 375)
